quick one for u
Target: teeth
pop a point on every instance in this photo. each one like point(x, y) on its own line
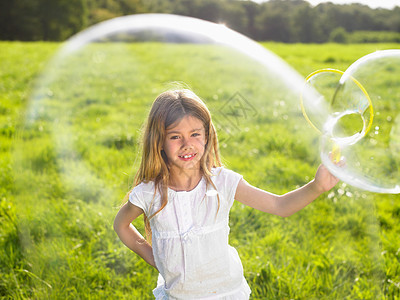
point(187, 156)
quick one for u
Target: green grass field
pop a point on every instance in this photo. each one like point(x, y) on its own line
point(68, 156)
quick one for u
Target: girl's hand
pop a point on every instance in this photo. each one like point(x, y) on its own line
point(324, 179)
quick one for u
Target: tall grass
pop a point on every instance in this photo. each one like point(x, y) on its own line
point(66, 165)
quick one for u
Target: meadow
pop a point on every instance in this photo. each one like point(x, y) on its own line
point(69, 149)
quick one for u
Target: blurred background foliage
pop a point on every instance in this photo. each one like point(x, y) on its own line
point(289, 21)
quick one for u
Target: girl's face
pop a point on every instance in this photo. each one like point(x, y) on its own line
point(184, 144)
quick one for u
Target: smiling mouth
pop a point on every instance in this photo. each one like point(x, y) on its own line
point(187, 156)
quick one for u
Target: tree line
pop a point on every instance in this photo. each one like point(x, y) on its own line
point(288, 21)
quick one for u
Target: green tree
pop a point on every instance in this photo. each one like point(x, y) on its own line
point(279, 20)
point(209, 10)
point(305, 25)
point(273, 22)
point(233, 15)
point(339, 35)
point(101, 10)
point(251, 9)
point(42, 19)
point(18, 20)
point(274, 26)
point(62, 18)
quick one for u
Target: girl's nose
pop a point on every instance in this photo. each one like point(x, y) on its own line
point(186, 144)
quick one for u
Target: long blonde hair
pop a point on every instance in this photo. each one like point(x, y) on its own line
point(167, 109)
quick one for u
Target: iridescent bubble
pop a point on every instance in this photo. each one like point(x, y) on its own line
point(322, 86)
point(364, 129)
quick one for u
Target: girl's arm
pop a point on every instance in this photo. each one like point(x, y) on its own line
point(288, 203)
point(129, 234)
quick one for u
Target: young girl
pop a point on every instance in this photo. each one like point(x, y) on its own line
point(185, 195)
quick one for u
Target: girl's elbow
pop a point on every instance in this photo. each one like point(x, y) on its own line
point(284, 215)
point(119, 221)
point(283, 212)
point(120, 225)
point(280, 208)
point(117, 225)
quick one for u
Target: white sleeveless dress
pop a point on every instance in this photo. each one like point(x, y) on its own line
point(190, 240)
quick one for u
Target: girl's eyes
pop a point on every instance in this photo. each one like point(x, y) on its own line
point(175, 137)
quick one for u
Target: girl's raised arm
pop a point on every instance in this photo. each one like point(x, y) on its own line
point(289, 203)
point(129, 234)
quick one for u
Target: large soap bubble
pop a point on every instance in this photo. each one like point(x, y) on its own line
point(97, 89)
point(77, 153)
point(362, 122)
